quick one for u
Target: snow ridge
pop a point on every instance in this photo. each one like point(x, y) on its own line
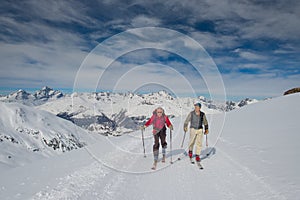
point(26, 132)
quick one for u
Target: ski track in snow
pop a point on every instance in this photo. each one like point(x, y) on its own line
point(74, 185)
point(95, 181)
point(251, 185)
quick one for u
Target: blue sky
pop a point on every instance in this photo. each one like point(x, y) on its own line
point(254, 44)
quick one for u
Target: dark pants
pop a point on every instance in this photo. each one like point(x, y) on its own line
point(162, 136)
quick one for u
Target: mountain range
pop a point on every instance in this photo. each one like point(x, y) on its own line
point(115, 113)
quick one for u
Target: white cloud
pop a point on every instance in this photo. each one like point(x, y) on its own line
point(59, 11)
point(55, 66)
point(143, 21)
point(262, 85)
point(252, 56)
point(253, 66)
point(214, 41)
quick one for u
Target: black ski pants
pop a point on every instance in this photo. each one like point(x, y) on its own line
point(161, 135)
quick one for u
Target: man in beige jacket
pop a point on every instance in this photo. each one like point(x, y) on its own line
point(197, 119)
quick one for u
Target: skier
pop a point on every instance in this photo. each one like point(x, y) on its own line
point(158, 120)
point(196, 118)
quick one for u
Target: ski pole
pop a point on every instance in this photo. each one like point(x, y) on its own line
point(171, 146)
point(183, 139)
point(143, 143)
point(207, 145)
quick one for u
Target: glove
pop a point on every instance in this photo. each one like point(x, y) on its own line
point(185, 129)
point(143, 127)
point(206, 132)
point(171, 127)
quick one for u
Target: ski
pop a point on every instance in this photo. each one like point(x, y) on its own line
point(199, 165)
point(154, 165)
point(192, 161)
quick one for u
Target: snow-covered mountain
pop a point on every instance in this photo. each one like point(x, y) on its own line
point(231, 105)
point(255, 157)
point(115, 113)
point(27, 133)
point(39, 97)
point(127, 111)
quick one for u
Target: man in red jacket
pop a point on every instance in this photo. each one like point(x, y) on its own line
point(158, 120)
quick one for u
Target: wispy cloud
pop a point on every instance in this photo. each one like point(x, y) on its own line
point(252, 42)
point(142, 21)
point(250, 55)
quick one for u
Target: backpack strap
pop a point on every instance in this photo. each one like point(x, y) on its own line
point(201, 116)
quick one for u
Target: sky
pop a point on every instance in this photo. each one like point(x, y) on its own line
point(253, 46)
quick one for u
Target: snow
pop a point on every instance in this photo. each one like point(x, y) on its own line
point(39, 97)
point(254, 156)
point(28, 134)
point(119, 113)
point(115, 114)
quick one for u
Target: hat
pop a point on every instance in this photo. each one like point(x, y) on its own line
point(197, 104)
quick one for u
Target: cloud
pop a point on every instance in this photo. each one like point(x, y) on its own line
point(142, 21)
point(253, 56)
point(119, 55)
point(50, 39)
point(253, 19)
point(154, 74)
point(258, 86)
point(50, 11)
point(214, 42)
point(54, 65)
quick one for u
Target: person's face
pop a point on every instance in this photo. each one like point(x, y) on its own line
point(159, 112)
point(197, 108)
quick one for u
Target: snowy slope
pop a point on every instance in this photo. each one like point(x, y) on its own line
point(28, 134)
point(256, 157)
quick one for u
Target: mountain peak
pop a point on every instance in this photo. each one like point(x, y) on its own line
point(19, 95)
point(47, 92)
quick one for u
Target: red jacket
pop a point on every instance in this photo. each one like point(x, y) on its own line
point(158, 122)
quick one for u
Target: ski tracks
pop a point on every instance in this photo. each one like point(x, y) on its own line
point(95, 181)
point(230, 179)
point(74, 186)
point(91, 182)
point(233, 173)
